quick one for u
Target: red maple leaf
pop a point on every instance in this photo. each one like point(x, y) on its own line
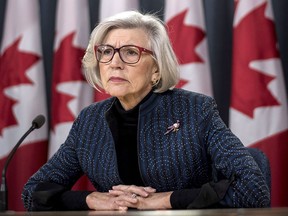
point(254, 39)
point(66, 68)
point(99, 96)
point(184, 39)
point(181, 83)
point(13, 67)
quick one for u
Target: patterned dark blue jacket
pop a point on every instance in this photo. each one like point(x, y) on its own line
point(201, 150)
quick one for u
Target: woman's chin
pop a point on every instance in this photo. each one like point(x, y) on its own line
point(117, 93)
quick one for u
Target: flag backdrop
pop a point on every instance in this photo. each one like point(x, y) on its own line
point(22, 96)
point(202, 36)
point(108, 8)
point(70, 92)
point(186, 27)
point(258, 113)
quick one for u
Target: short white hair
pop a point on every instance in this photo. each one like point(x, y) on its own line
point(159, 43)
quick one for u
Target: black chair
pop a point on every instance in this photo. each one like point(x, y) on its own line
point(263, 163)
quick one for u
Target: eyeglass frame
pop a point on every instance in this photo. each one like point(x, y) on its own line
point(141, 49)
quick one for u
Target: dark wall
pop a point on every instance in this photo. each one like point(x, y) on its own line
point(219, 19)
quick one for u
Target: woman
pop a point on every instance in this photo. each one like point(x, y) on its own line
point(149, 146)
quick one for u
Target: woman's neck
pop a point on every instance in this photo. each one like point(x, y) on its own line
point(129, 102)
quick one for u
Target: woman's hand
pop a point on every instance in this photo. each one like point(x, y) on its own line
point(108, 201)
point(131, 190)
point(145, 197)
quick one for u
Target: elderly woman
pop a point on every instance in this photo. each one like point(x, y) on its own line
point(149, 146)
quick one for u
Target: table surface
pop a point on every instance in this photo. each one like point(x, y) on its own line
point(204, 212)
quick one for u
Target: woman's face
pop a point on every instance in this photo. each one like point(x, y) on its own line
point(130, 83)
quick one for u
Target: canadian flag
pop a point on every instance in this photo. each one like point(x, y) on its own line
point(22, 96)
point(187, 32)
point(107, 9)
point(258, 111)
point(112, 7)
point(70, 92)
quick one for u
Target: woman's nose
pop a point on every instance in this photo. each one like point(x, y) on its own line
point(116, 60)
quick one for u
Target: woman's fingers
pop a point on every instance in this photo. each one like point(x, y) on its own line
point(106, 201)
point(150, 189)
point(132, 189)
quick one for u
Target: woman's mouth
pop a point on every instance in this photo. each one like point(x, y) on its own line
point(117, 79)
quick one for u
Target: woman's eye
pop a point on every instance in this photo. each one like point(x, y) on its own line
point(131, 52)
point(107, 52)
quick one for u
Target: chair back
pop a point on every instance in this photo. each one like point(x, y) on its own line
point(263, 163)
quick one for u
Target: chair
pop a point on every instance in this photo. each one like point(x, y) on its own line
point(263, 163)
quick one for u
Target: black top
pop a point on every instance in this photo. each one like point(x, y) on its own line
point(126, 145)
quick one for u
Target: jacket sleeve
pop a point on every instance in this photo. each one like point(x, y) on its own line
point(63, 169)
point(53, 197)
point(230, 159)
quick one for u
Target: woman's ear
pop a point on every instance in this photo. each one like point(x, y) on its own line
point(155, 77)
